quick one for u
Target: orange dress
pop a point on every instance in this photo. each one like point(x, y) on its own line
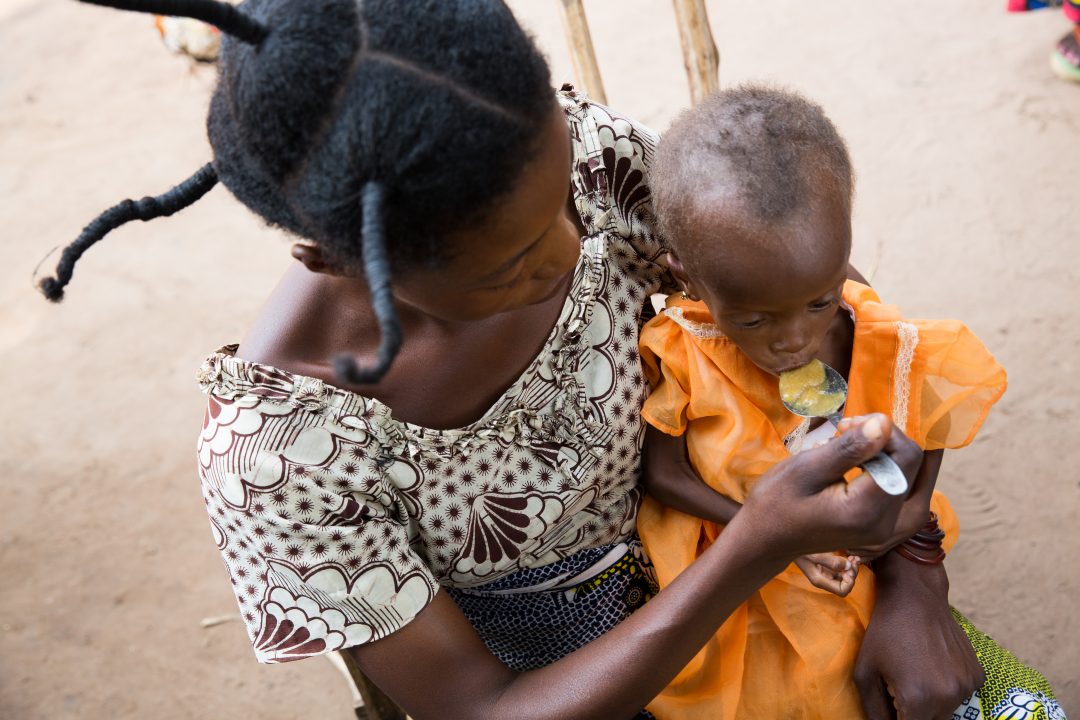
point(789, 650)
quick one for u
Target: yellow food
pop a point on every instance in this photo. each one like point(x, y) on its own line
point(805, 391)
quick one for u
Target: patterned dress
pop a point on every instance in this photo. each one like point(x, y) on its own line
point(338, 523)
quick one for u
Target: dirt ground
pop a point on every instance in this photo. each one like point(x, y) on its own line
point(966, 150)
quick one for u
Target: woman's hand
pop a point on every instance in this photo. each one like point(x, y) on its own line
point(912, 512)
point(803, 505)
point(915, 663)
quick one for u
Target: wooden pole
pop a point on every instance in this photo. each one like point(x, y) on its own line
point(700, 56)
point(581, 50)
point(376, 704)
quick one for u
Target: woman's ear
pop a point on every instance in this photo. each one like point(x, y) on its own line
point(312, 258)
point(677, 269)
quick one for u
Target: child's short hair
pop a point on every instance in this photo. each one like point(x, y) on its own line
point(350, 122)
point(766, 148)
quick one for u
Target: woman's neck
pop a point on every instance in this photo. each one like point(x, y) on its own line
point(447, 375)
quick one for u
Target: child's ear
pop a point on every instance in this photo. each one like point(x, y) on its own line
point(677, 268)
point(679, 272)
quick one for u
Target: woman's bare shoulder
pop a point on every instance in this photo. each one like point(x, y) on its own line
point(295, 329)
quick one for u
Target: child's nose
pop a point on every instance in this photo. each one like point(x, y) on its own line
point(791, 343)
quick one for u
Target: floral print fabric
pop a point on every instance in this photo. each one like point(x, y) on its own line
point(338, 523)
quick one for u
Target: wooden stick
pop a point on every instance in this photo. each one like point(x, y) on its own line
point(376, 704)
point(581, 50)
point(700, 56)
point(337, 659)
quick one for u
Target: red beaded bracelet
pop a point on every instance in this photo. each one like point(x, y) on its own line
point(927, 540)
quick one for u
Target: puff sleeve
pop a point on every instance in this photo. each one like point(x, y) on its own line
point(663, 356)
point(311, 521)
point(960, 382)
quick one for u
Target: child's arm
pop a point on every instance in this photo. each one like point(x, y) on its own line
point(667, 476)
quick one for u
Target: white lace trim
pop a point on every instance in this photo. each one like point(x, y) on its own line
point(697, 329)
point(908, 336)
point(850, 310)
point(794, 439)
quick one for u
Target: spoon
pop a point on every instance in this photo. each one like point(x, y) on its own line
point(817, 390)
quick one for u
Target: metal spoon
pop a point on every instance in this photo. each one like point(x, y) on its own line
point(809, 393)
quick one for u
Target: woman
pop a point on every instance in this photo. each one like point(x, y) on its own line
point(486, 252)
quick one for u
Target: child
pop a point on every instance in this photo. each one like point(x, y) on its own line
point(753, 191)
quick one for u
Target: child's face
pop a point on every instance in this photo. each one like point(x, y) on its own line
point(772, 289)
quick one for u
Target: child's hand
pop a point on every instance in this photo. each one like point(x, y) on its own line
point(834, 573)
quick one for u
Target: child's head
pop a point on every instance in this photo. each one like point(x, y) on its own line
point(753, 189)
point(421, 136)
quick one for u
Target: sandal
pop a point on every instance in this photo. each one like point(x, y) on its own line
point(1065, 60)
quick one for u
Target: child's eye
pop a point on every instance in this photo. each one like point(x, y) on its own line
point(822, 305)
point(748, 324)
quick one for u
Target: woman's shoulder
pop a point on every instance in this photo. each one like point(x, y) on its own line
point(612, 157)
point(599, 127)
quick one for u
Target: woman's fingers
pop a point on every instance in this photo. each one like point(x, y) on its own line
point(899, 446)
point(926, 478)
point(876, 700)
point(906, 454)
point(822, 466)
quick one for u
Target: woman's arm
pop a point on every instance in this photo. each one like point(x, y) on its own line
point(437, 667)
point(667, 475)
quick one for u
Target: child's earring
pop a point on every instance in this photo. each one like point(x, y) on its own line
point(686, 295)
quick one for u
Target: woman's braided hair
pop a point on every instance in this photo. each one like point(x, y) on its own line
point(348, 122)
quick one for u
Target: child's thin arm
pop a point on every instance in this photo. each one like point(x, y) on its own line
point(668, 476)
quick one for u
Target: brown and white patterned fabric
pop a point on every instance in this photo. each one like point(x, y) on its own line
point(339, 523)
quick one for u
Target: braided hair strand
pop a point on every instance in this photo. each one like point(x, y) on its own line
point(372, 128)
point(377, 272)
point(223, 16)
point(148, 208)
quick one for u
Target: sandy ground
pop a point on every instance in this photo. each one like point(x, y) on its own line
point(966, 150)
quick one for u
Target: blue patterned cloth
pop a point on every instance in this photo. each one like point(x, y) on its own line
point(530, 629)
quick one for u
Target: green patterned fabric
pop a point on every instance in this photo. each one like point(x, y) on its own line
point(1013, 691)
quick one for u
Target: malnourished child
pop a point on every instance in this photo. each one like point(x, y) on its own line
point(754, 192)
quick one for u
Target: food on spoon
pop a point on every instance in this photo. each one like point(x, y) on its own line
point(805, 390)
